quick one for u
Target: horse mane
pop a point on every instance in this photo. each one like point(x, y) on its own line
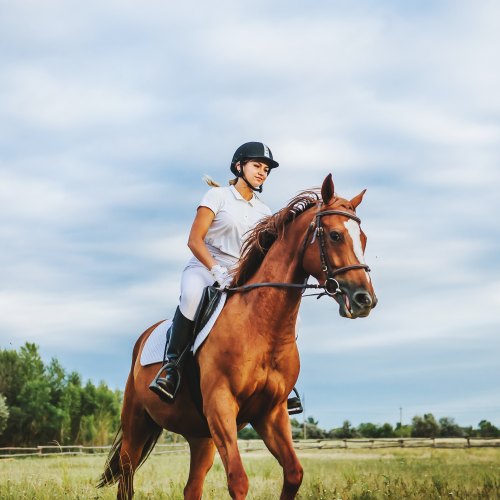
point(267, 231)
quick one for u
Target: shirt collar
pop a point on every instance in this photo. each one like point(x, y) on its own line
point(238, 196)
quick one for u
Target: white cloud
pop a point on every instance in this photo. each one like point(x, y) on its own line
point(35, 97)
point(72, 321)
point(164, 249)
point(39, 199)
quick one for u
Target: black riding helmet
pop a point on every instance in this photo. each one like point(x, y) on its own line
point(252, 151)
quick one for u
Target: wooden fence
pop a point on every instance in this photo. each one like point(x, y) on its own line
point(251, 445)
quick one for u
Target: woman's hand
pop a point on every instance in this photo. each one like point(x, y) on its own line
point(221, 275)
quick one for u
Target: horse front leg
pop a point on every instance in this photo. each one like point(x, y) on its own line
point(220, 409)
point(202, 457)
point(275, 431)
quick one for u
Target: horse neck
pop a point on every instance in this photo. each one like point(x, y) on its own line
point(281, 265)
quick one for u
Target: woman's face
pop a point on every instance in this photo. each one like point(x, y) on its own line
point(256, 172)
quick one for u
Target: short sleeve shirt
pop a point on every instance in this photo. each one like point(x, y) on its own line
point(234, 216)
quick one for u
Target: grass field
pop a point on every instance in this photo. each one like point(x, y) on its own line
point(329, 474)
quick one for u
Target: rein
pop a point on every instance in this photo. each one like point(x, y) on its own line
point(331, 286)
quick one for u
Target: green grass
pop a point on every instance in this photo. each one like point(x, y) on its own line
point(329, 474)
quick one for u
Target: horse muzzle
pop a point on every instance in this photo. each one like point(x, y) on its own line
point(356, 303)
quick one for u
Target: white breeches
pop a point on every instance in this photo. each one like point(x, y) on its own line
point(195, 278)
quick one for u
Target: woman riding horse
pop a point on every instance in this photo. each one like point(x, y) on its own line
point(249, 363)
point(223, 217)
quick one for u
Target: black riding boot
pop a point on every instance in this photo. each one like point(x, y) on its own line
point(181, 336)
point(294, 404)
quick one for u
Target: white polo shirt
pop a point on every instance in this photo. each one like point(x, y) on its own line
point(234, 216)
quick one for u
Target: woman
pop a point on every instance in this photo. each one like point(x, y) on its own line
point(223, 217)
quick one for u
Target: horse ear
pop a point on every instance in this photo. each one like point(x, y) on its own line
point(327, 189)
point(358, 199)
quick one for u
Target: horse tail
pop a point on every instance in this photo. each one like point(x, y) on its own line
point(112, 471)
point(112, 468)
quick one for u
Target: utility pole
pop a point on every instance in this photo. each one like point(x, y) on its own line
point(304, 415)
point(400, 416)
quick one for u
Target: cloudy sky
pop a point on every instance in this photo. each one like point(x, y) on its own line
point(111, 111)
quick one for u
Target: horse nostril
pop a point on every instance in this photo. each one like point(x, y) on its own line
point(363, 299)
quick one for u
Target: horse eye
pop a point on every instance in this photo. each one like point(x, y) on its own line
point(335, 236)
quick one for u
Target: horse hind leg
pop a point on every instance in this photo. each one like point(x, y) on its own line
point(202, 458)
point(126, 455)
point(140, 435)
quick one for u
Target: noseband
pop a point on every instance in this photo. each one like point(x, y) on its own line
point(331, 286)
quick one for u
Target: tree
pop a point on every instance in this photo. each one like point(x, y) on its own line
point(248, 432)
point(368, 430)
point(403, 431)
point(11, 375)
point(488, 430)
point(72, 403)
point(27, 392)
point(4, 413)
point(344, 432)
point(386, 431)
point(374, 431)
point(297, 429)
point(45, 404)
point(313, 431)
point(469, 431)
point(425, 427)
point(107, 413)
point(99, 414)
point(448, 428)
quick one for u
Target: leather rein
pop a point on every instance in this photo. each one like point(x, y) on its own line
point(331, 286)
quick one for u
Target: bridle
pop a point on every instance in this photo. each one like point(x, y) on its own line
point(331, 286)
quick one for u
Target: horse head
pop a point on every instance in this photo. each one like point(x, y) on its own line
point(338, 259)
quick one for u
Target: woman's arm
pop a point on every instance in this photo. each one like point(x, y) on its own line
point(196, 243)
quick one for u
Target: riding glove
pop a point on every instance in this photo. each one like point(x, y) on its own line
point(221, 275)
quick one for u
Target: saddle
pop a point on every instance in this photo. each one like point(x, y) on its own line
point(209, 301)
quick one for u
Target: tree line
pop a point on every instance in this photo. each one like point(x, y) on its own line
point(43, 403)
point(425, 426)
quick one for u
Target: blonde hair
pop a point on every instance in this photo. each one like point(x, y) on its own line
point(212, 183)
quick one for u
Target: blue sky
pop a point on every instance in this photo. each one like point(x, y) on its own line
point(112, 111)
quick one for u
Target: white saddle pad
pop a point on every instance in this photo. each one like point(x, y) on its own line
point(154, 348)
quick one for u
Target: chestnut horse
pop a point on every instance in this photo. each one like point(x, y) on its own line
point(249, 363)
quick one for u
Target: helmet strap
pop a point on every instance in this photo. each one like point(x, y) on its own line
point(259, 189)
point(242, 175)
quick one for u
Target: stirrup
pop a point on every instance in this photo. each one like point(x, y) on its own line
point(159, 390)
point(294, 404)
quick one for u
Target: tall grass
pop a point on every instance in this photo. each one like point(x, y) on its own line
point(340, 474)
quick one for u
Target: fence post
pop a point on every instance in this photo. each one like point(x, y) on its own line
point(345, 443)
point(468, 442)
point(401, 443)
